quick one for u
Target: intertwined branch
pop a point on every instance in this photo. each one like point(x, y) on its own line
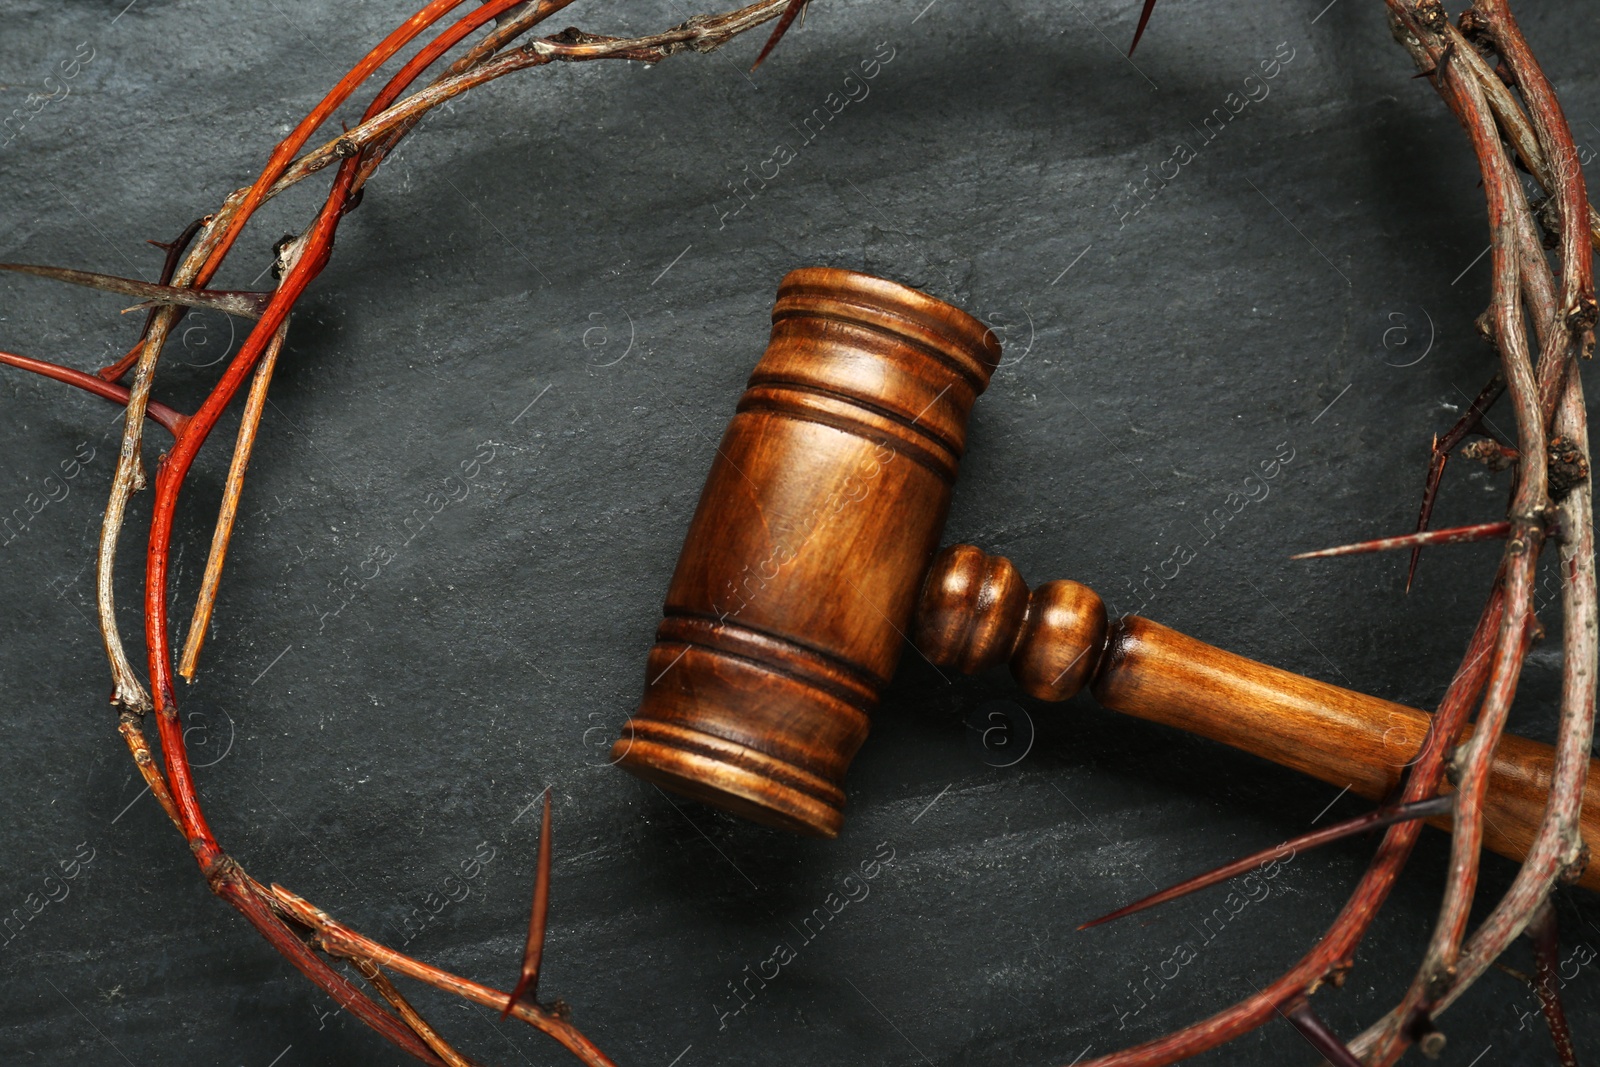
point(1485, 73)
point(279, 915)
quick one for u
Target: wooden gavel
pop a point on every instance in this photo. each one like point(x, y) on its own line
point(811, 559)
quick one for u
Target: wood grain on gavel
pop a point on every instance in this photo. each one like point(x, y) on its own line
point(811, 558)
point(976, 613)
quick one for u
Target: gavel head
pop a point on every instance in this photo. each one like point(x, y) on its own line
point(793, 595)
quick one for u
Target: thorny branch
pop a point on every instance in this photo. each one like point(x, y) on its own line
point(1521, 118)
point(1563, 328)
point(300, 261)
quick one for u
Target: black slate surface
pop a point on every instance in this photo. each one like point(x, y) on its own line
point(552, 274)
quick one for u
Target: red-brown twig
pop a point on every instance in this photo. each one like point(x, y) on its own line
point(1578, 308)
point(1514, 121)
point(168, 419)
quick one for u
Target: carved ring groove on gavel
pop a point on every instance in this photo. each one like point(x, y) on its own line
point(811, 559)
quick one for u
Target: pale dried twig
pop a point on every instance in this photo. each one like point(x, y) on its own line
point(206, 599)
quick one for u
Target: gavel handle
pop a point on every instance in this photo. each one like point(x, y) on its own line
point(976, 611)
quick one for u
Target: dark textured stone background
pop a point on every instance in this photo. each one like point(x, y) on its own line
point(515, 249)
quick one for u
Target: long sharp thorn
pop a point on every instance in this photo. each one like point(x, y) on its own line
point(528, 984)
point(1324, 1040)
point(1373, 820)
point(1547, 959)
point(784, 22)
point(245, 304)
point(1144, 20)
point(1456, 535)
point(174, 248)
